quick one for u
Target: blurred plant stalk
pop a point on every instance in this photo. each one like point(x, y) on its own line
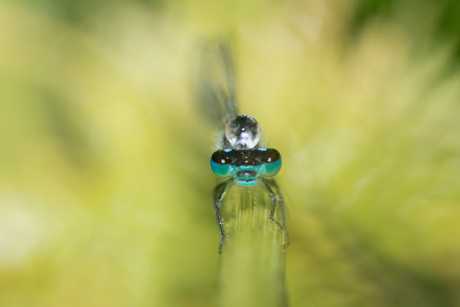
point(252, 269)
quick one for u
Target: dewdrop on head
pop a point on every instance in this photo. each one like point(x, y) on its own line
point(243, 132)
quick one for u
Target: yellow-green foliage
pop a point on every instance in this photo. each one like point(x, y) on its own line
point(105, 186)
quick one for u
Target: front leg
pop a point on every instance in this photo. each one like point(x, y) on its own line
point(275, 196)
point(218, 197)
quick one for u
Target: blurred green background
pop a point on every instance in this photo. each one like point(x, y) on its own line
point(105, 187)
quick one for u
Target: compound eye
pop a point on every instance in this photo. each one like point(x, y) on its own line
point(220, 157)
point(219, 164)
point(272, 162)
point(272, 156)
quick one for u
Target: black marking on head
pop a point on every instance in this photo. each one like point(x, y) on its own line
point(246, 157)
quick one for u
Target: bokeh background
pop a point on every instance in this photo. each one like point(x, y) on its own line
point(104, 178)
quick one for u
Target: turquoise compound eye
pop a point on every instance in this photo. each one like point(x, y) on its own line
point(272, 163)
point(219, 164)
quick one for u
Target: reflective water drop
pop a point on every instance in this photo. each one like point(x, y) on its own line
point(243, 132)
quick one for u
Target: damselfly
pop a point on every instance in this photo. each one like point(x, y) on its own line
point(240, 160)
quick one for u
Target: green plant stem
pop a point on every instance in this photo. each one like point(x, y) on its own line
point(252, 271)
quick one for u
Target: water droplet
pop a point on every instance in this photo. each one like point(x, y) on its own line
point(243, 132)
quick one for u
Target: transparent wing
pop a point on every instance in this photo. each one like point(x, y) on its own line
point(213, 80)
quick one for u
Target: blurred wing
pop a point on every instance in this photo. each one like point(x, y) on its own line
point(214, 85)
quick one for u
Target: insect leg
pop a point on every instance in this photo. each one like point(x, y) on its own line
point(218, 197)
point(274, 201)
point(275, 196)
